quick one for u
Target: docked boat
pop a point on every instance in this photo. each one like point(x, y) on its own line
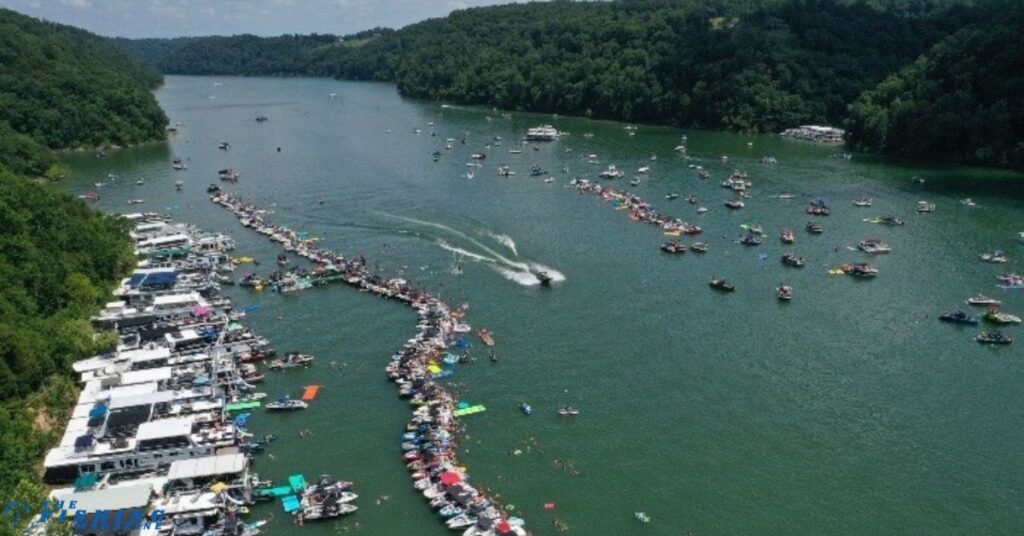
point(611, 173)
point(925, 207)
point(673, 247)
point(997, 256)
point(461, 521)
point(719, 283)
point(784, 292)
point(486, 337)
point(958, 317)
point(291, 360)
point(862, 202)
point(873, 246)
point(996, 317)
point(993, 337)
point(793, 260)
point(286, 404)
point(734, 204)
point(814, 228)
point(981, 299)
point(859, 269)
point(542, 133)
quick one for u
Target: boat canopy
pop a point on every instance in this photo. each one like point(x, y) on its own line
point(225, 464)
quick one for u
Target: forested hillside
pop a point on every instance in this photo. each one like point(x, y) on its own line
point(59, 87)
point(963, 101)
point(64, 87)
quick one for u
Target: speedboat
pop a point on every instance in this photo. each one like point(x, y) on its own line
point(526, 408)
point(286, 404)
point(787, 237)
point(814, 228)
point(958, 317)
point(291, 360)
point(486, 337)
point(997, 317)
point(924, 206)
point(735, 204)
point(890, 220)
point(671, 196)
point(784, 292)
point(702, 210)
point(860, 269)
point(136, 201)
point(873, 246)
point(699, 247)
point(968, 202)
point(997, 256)
point(224, 146)
point(644, 169)
point(793, 260)
point(568, 411)
point(818, 208)
point(611, 173)
point(719, 283)
point(212, 189)
point(635, 182)
point(993, 337)
point(543, 277)
point(461, 521)
point(673, 247)
point(862, 202)
point(981, 299)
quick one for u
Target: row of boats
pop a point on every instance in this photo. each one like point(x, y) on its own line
point(431, 437)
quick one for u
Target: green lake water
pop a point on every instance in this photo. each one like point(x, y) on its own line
point(851, 410)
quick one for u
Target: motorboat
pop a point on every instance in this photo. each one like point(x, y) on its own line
point(993, 337)
point(981, 299)
point(793, 260)
point(526, 409)
point(670, 197)
point(692, 200)
point(702, 210)
point(461, 521)
point(862, 202)
point(818, 208)
point(542, 133)
point(860, 269)
point(734, 204)
point(286, 404)
point(996, 317)
point(787, 236)
point(611, 173)
point(486, 337)
point(644, 169)
point(750, 239)
point(873, 246)
point(891, 220)
point(212, 189)
point(505, 171)
point(536, 171)
point(635, 182)
point(924, 207)
point(719, 283)
point(968, 202)
point(784, 292)
point(282, 259)
point(228, 175)
point(814, 228)
point(223, 146)
point(478, 156)
point(699, 247)
point(673, 247)
point(136, 201)
point(542, 276)
point(997, 256)
point(958, 317)
point(568, 411)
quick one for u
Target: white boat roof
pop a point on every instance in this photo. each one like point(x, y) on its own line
point(118, 392)
point(112, 498)
point(142, 355)
point(168, 239)
point(179, 426)
point(211, 465)
point(174, 299)
point(141, 400)
point(133, 377)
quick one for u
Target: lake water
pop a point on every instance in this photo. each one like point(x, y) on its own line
point(851, 410)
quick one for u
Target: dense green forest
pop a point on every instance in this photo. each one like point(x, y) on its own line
point(963, 101)
point(67, 88)
point(59, 87)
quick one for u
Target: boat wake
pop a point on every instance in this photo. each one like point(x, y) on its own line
point(522, 272)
